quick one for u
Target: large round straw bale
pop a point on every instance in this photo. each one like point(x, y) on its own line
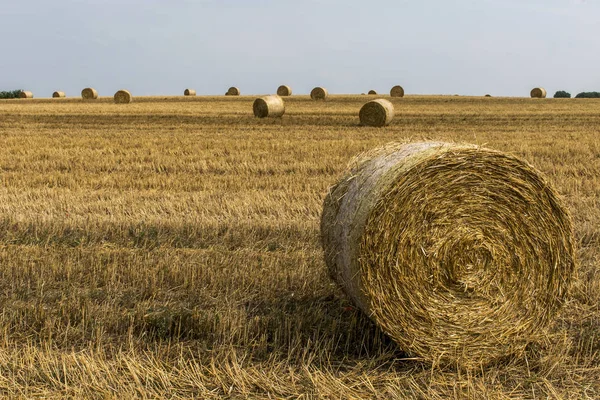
point(123, 97)
point(378, 112)
point(58, 94)
point(284, 90)
point(538, 93)
point(189, 92)
point(460, 254)
point(233, 91)
point(89, 94)
point(397, 91)
point(268, 106)
point(371, 92)
point(26, 94)
point(319, 93)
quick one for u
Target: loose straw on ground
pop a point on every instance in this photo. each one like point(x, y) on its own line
point(56, 95)
point(377, 113)
point(89, 94)
point(319, 93)
point(284, 90)
point(26, 94)
point(123, 97)
point(397, 91)
point(538, 93)
point(189, 92)
point(461, 254)
point(268, 106)
point(233, 91)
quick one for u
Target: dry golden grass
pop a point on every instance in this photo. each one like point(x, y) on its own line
point(171, 249)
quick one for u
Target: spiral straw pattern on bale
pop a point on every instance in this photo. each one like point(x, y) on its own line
point(538, 93)
point(89, 94)
point(58, 95)
point(397, 91)
point(319, 93)
point(233, 91)
point(377, 113)
point(461, 254)
point(26, 95)
point(123, 97)
point(189, 92)
point(268, 106)
point(284, 90)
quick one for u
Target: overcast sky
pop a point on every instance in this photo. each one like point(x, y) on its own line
point(472, 47)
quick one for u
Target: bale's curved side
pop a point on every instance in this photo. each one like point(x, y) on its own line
point(371, 92)
point(538, 93)
point(284, 90)
point(233, 91)
point(319, 93)
point(89, 94)
point(25, 94)
point(189, 92)
point(376, 113)
point(461, 254)
point(397, 91)
point(268, 106)
point(123, 97)
point(56, 95)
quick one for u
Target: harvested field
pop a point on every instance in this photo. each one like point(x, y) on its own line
point(171, 248)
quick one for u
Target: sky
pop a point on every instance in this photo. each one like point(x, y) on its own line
point(152, 47)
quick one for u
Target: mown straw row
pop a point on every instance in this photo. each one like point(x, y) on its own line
point(461, 254)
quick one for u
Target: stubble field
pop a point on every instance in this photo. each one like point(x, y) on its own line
point(169, 248)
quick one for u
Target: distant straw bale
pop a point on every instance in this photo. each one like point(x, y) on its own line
point(377, 113)
point(284, 90)
point(461, 254)
point(26, 94)
point(319, 93)
point(89, 94)
point(488, 95)
point(189, 92)
point(123, 97)
point(397, 91)
point(233, 91)
point(58, 95)
point(268, 106)
point(538, 93)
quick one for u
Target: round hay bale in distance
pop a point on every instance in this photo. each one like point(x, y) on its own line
point(397, 91)
point(488, 95)
point(89, 94)
point(538, 93)
point(372, 92)
point(377, 113)
point(25, 94)
point(284, 90)
point(189, 92)
point(461, 254)
point(233, 91)
point(268, 106)
point(56, 95)
point(123, 97)
point(319, 93)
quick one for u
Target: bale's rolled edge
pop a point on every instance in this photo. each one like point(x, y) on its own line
point(268, 106)
point(356, 214)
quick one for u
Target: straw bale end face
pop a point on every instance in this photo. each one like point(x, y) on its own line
point(56, 95)
point(284, 90)
point(372, 91)
point(26, 95)
point(233, 91)
point(268, 106)
point(89, 94)
point(189, 92)
point(123, 97)
point(460, 254)
point(397, 91)
point(538, 93)
point(319, 93)
point(376, 113)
